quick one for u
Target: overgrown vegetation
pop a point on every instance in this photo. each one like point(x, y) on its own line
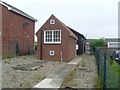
point(97, 43)
point(116, 68)
point(99, 82)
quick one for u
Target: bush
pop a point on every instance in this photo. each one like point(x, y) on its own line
point(35, 46)
point(97, 43)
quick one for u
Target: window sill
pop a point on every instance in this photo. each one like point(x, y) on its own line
point(51, 43)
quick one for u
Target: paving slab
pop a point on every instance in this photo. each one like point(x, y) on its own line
point(75, 61)
point(49, 83)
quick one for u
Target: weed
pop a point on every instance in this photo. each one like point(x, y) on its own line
point(98, 82)
point(14, 76)
point(9, 57)
point(6, 62)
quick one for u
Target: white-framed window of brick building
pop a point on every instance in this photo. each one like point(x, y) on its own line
point(52, 36)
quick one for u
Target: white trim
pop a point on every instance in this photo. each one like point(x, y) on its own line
point(113, 43)
point(73, 36)
point(52, 37)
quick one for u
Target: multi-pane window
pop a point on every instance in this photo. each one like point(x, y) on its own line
point(52, 36)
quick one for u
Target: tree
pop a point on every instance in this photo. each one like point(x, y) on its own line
point(97, 43)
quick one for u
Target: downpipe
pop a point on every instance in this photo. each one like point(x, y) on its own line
point(61, 56)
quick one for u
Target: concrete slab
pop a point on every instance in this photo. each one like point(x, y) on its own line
point(75, 61)
point(49, 83)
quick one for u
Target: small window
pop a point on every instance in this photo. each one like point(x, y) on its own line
point(51, 53)
point(52, 21)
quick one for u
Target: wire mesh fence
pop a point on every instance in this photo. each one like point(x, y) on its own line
point(108, 69)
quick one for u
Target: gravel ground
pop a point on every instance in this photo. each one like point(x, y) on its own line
point(85, 74)
point(12, 78)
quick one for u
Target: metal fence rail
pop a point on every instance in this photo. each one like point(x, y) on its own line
point(108, 70)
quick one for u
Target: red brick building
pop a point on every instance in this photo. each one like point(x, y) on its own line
point(16, 31)
point(56, 41)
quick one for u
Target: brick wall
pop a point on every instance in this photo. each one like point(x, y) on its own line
point(0, 31)
point(13, 29)
point(67, 42)
point(72, 48)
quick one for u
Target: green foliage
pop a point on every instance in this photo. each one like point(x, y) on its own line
point(97, 43)
point(99, 82)
point(35, 46)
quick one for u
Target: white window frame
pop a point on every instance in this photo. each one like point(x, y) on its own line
point(51, 21)
point(52, 37)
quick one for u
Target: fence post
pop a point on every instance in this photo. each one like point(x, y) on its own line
point(98, 51)
point(104, 74)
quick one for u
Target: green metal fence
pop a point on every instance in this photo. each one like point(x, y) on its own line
point(108, 69)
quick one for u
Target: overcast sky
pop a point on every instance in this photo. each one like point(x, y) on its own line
point(92, 18)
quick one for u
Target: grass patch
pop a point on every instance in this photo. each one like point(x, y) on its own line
point(7, 57)
point(68, 81)
point(99, 82)
point(116, 68)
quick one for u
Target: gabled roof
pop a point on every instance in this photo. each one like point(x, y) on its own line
point(11, 8)
point(71, 33)
point(74, 31)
